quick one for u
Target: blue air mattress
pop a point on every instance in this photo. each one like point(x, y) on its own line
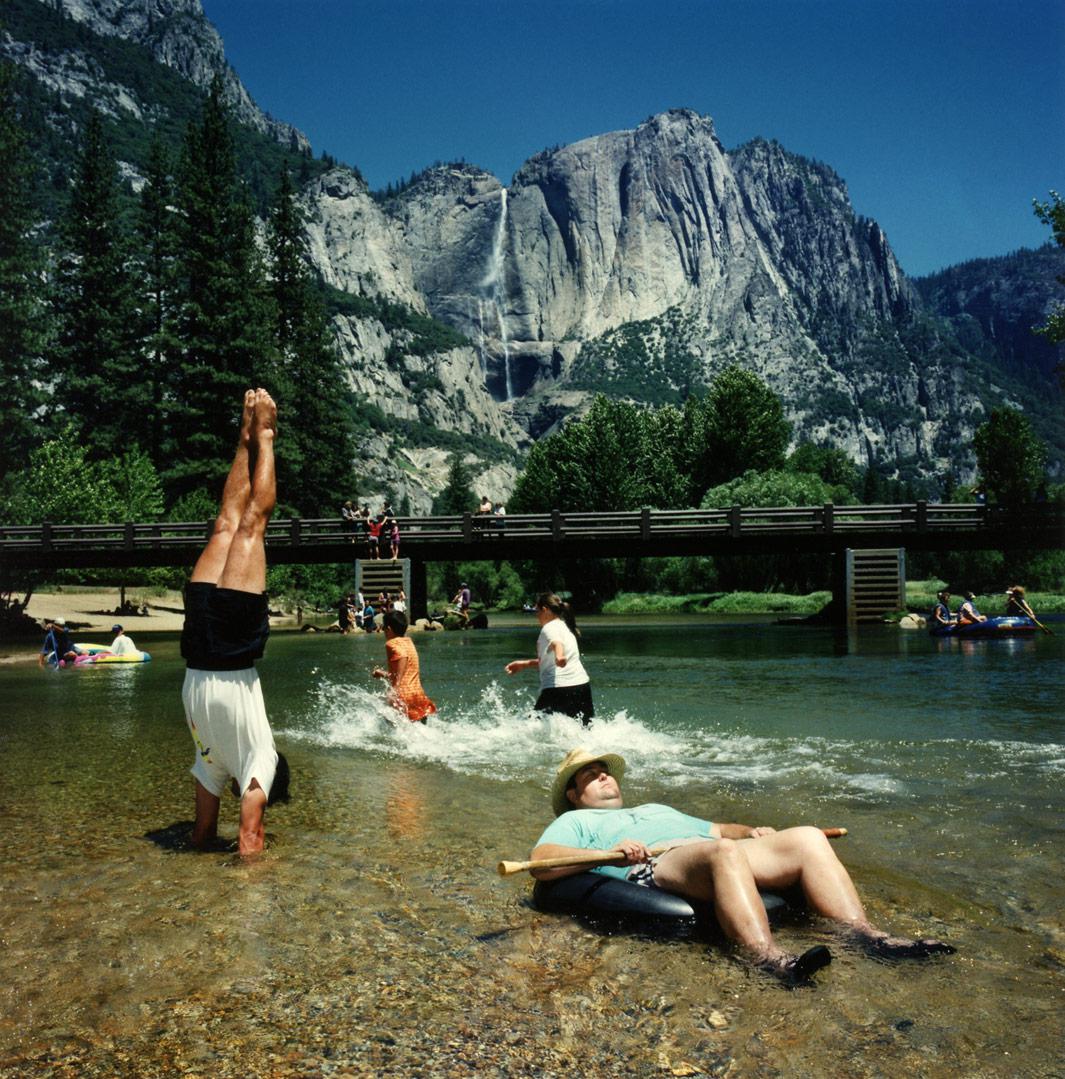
point(999, 626)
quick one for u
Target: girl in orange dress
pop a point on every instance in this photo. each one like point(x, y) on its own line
point(403, 670)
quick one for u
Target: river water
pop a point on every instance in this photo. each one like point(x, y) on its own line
point(374, 937)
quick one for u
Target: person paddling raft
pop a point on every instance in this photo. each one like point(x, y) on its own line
point(58, 648)
point(724, 865)
point(1017, 605)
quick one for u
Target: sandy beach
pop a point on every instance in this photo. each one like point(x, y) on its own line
point(92, 612)
point(89, 614)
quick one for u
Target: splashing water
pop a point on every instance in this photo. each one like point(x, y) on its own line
point(502, 737)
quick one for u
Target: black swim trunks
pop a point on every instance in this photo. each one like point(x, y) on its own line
point(575, 701)
point(225, 629)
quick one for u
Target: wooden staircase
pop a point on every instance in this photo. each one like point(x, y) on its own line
point(876, 583)
point(375, 575)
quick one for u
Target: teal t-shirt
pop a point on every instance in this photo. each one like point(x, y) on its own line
point(603, 829)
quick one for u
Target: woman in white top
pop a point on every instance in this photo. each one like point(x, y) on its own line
point(564, 683)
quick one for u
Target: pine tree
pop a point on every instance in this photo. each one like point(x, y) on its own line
point(314, 461)
point(457, 496)
point(22, 316)
point(157, 243)
point(100, 381)
point(223, 318)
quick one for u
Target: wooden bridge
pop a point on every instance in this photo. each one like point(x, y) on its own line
point(737, 530)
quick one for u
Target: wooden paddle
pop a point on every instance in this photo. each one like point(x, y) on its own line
point(600, 857)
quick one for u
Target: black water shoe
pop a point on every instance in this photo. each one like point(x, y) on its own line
point(896, 948)
point(799, 969)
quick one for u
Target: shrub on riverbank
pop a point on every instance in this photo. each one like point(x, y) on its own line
point(717, 603)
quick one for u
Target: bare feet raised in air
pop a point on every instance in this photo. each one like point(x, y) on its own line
point(247, 416)
point(265, 417)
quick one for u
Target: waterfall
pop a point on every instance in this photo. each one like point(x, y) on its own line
point(493, 284)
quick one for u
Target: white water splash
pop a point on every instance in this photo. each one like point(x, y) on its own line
point(492, 284)
point(502, 737)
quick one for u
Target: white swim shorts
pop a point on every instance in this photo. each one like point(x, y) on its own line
point(227, 719)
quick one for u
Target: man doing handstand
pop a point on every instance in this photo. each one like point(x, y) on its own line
point(226, 626)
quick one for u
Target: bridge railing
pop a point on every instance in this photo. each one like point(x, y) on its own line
point(644, 525)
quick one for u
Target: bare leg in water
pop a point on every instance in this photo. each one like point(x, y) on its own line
point(729, 873)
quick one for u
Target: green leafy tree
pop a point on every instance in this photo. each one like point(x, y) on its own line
point(831, 464)
point(22, 314)
point(595, 463)
point(223, 318)
point(743, 429)
point(1052, 213)
point(1010, 457)
point(457, 496)
point(155, 257)
point(314, 462)
point(44, 492)
point(662, 460)
point(777, 487)
point(99, 376)
point(129, 488)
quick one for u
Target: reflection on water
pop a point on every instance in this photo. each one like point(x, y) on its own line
point(375, 936)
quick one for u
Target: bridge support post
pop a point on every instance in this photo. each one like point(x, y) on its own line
point(837, 610)
point(417, 595)
point(874, 584)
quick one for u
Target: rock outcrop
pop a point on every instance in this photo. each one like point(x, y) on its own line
point(637, 263)
point(178, 34)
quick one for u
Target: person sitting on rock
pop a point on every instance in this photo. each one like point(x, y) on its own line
point(723, 865)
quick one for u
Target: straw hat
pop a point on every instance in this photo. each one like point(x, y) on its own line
point(575, 760)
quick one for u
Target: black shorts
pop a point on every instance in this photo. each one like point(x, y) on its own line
point(225, 629)
point(575, 701)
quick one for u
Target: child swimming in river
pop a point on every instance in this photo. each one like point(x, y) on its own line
point(403, 670)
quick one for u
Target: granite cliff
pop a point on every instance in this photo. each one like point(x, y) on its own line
point(637, 263)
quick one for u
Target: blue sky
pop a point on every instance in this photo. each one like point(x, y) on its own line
point(944, 118)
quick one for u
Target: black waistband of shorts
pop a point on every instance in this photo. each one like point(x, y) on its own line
point(221, 665)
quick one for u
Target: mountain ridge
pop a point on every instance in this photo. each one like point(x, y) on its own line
point(638, 262)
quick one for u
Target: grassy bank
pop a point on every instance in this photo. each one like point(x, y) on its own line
point(920, 597)
point(717, 603)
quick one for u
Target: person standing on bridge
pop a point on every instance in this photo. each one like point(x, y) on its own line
point(393, 536)
point(564, 683)
point(225, 631)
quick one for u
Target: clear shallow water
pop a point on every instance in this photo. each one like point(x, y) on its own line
point(375, 935)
